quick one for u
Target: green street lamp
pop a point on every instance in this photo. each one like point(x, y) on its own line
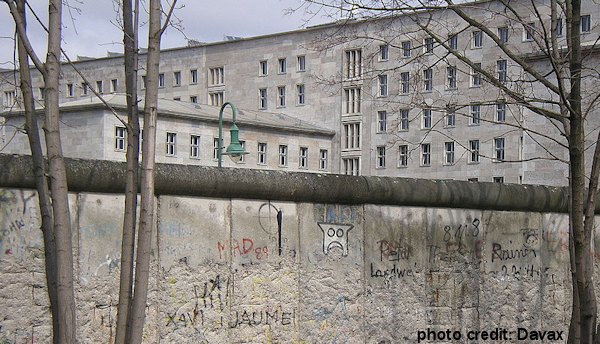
point(235, 149)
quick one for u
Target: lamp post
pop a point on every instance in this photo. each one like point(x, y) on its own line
point(235, 149)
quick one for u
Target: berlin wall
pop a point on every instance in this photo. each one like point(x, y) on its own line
point(285, 265)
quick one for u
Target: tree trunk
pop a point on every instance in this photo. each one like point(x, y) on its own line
point(142, 268)
point(39, 169)
point(58, 181)
point(131, 182)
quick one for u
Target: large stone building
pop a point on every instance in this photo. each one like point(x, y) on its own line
point(398, 103)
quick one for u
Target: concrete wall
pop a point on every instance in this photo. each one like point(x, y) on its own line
point(249, 270)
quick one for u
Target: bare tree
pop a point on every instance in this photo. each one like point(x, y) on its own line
point(60, 267)
point(543, 79)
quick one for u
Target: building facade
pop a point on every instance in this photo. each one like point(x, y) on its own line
point(398, 102)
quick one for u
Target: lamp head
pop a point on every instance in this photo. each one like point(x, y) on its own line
point(235, 149)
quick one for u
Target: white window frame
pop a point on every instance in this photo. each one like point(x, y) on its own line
point(476, 76)
point(477, 39)
point(449, 153)
point(283, 156)
point(474, 148)
point(216, 98)
point(428, 45)
point(114, 85)
point(323, 155)
point(402, 156)
point(301, 60)
point(352, 100)
point(217, 76)
point(380, 161)
point(475, 118)
point(85, 88)
point(501, 111)
point(70, 90)
point(195, 146)
point(529, 31)
point(351, 135)
point(406, 48)
point(425, 154)
point(450, 120)
point(351, 166)
point(193, 99)
point(384, 52)
point(503, 34)
point(381, 121)
point(303, 157)
point(382, 83)
point(171, 144)
point(281, 96)
point(193, 76)
point(404, 82)
point(300, 94)
point(451, 73)
point(353, 64)
point(502, 70)
point(120, 139)
point(262, 98)
point(282, 66)
point(99, 86)
point(404, 124)
point(161, 80)
point(453, 41)
point(428, 80)
point(426, 118)
point(177, 78)
point(499, 149)
point(263, 68)
point(586, 23)
point(262, 153)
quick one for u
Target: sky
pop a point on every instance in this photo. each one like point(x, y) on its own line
point(90, 29)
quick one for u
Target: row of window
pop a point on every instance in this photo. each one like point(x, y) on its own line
point(282, 65)
point(354, 57)
point(194, 150)
point(263, 96)
point(449, 157)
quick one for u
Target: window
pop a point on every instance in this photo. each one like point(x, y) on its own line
point(501, 68)
point(380, 157)
point(381, 121)
point(586, 23)
point(42, 93)
point(216, 148)
point(352, 100)
point(402, 155)
point(161, 80)
point(84, 88)
point(323, 159)
point(216, 98)
point(300, 93)
point(193, 76)
point(282, 66)
point(262, 98)
point(473, 179)
point(498, 179)
point(351, 138)
point(263, 68)
point(114, 85)
point(529, 31)
point(303, 158)
point(558, 27)
point(70, 90)
point(474, 151)
point(193, 99)
point(243, 156)
point(477, 39)
point(383, 86)
point(283, 151)
point(120, 134)
point(281, 96)
point(499, 149)
point(450, 116)
point(428, 45)
point(171, 144)
point(425, 154)
point(448, 153)
point(353, 63)
point(384, 52)
point(428, 79)
point(351, 166)
point(406, 48)
point(143, 82)
point(195, 146)
point(9, 98)
point(501, 112)
point(176, 78)
point(475, 76)
point(404, 82)
point(262, 153)
point(475, 114)
point(503, 34)
point(453, 41)
point(217, 76)
point(301, 63)
point(177, 99)
point(426, 122)
point(403, 125)
point(451, 74)
point(99, 87)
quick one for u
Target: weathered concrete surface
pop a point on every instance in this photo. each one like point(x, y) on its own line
point(185, 180)
point(249, 271)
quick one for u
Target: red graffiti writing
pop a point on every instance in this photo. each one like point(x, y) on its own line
point(242, 247)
